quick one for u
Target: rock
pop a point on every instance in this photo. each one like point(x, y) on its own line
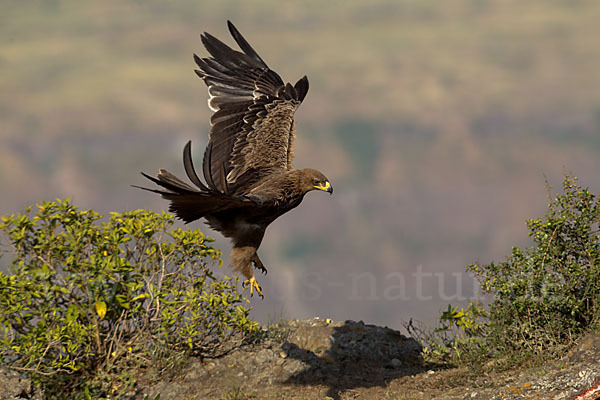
point(396, 363)
point(292, 367)
point(313, 338)
point(263, 355)
point(15, 386)
point(586, 348)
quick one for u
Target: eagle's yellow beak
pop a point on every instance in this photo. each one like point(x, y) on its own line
point(327, 188)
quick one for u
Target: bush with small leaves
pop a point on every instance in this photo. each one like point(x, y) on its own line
point(90, 301)
point(458, 337)
point(542, 298)
point(546, 296)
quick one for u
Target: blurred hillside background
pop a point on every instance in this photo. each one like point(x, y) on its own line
point(437, 123)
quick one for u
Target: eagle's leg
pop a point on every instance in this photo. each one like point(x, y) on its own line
point(258, 264)
point(242, 258)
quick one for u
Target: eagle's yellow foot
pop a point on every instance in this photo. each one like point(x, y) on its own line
point(253, 285)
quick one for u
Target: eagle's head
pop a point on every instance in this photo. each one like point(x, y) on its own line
point(311, 179)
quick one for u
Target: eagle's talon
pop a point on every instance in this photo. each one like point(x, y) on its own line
point(258, 264)
point(253, 285)
point(261, 268)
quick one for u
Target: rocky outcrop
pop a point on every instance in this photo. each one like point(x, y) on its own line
point(15, 386)
point(335, 355)
point(319, 359)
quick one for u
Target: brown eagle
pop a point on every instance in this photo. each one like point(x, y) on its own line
point(247, 163)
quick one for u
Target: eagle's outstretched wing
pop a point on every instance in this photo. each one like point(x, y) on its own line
point(253, 125)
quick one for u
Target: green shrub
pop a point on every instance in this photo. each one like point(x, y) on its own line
point(458, 337)
point(542, 298)
point(547, 295)
point(89, 301)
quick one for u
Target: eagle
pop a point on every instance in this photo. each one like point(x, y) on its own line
point(249, 180)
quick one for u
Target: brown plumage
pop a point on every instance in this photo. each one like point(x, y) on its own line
point(247, 163)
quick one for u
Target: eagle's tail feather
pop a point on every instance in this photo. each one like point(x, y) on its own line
point(187, 203)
